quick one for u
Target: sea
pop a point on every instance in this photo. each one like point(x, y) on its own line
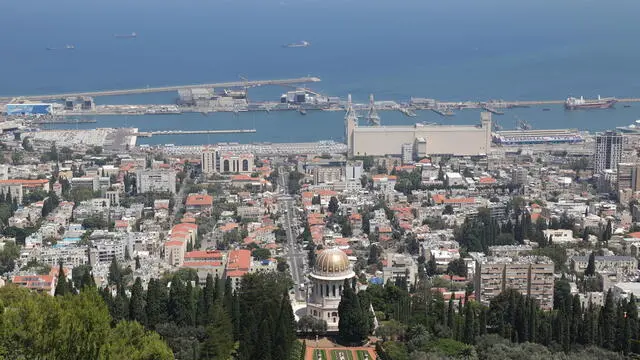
point(454, 50)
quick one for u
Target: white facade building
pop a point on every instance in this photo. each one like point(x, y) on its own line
point(332, 268)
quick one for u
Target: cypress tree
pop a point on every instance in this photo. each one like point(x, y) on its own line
point(482, 320)
point(227, 301)
point(576, 320)
point(236, 317)
point(284, 334)
point(208, 296)
point(115, 275)
point(265, 340)
point(177, 306)
point(136, 303)
point(219, 342)
point(451, 315)
point(352, 326)
point(632, 316)
point(468, 336)
point(120, 305)
point(87, 280)
point(190, 305)
point(607, 322)
point(591, 265)
point(62, 287)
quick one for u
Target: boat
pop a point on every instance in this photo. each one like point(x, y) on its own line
point(627, 106)
point(302, 111)
point(630, 129)
point(546, 109)
point(581, 103)
point(51, 48)
point(69, 47)
point(297, 45)
point(133, 35)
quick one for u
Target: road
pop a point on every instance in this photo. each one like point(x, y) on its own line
point(294, 255)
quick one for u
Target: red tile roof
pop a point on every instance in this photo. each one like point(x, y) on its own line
point(201, 263)
point(203, 254)
point(199, 200)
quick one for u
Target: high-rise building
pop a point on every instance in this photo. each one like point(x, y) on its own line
point(210, 160)
point(608, 151)
point(353, 173)
point(530, 275)
point(407, 153)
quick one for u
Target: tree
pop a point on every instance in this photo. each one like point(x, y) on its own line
point(129, 340)
point(457, 267)
point(333, 205)
point(136, 302)
point(448, 210)
point(261, 254)
point(115, 273)
point(8, 255)
point(62, 286)
point(591, 265)
point(431, 267)
point(156, 303)
point(219, 342)
point(137, 258)
point(353, 324)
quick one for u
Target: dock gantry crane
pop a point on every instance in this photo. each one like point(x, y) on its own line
point(372, 116)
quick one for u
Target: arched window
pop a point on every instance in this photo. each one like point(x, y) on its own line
point(326, 290)
point(225, 166)
point(334, 291)
point(245, 165)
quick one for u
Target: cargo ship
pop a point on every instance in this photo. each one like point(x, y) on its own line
point(297, 45)
point(126, 36)
point(582, 103)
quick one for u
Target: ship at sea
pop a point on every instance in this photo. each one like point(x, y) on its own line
point(133, 35)
point(630, 129)
point(297, 45)
point(582, 103)
point(66, 47)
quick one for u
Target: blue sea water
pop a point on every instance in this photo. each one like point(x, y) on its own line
point(448, 50)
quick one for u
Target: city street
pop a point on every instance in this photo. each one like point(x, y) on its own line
point(294, 255)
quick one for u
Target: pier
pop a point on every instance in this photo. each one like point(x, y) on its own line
point(192, 132)
point(146, 90)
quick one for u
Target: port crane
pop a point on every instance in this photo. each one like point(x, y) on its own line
point(372, 116)
point(522, 125)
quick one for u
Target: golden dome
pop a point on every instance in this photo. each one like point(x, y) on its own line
point(332, 261)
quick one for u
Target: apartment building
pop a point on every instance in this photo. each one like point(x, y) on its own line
point(530, 275)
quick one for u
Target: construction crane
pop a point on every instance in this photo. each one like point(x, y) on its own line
point(372, 116)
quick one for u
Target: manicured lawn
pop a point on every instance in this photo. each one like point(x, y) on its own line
point(322, 354)
point(335, 354)
point(362, 355)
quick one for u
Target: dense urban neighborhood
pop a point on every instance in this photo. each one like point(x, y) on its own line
point(215, 254)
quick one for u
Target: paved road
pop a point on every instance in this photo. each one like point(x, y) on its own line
point(295, 257)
